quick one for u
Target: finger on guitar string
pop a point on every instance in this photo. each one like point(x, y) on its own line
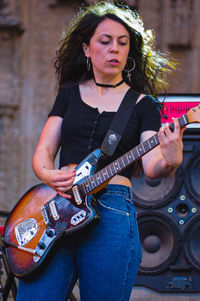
point(64, 184)
point(60, 175)
point(59, 180)
point(163, 139)
point(177, 128)
point(64, 195)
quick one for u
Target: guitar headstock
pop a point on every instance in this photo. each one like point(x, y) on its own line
point(193, 114)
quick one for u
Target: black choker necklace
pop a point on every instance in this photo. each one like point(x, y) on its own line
point(109, 86)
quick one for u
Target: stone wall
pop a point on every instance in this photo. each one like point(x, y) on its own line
point(29, 32)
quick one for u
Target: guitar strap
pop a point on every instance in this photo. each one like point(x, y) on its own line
point(119, 123)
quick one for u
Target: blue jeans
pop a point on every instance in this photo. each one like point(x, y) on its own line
point(105, 259)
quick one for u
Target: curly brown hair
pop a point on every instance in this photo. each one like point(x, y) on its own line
point(150, 65)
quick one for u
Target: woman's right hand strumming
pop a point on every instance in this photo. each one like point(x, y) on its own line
point(60, 180)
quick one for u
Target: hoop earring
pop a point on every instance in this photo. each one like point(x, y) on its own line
point(129, 71)
point(88, 64)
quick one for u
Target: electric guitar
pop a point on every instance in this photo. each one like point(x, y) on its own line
point(41, 217)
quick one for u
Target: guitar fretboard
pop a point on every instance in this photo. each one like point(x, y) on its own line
point(126, 160)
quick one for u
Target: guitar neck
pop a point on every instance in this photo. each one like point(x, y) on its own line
point(126, 160)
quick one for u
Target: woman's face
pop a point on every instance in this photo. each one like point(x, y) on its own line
point(108, 49)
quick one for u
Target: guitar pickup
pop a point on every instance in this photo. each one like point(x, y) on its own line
point(77, 196)
point(52, 206)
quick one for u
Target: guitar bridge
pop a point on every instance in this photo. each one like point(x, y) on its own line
point(45, 215)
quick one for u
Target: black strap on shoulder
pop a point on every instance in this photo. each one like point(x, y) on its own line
point(119, 122)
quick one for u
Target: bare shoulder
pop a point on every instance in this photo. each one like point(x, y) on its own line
point(140, 97)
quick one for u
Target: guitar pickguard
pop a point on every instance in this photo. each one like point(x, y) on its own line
point(86, 167)
point(82, 172)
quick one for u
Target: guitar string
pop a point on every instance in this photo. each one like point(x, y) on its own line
point(100, 173)
point(182, 122)
point(111, 165)
point(62, 200)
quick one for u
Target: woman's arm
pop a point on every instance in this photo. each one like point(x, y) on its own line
point(45, 154)
point(164, 159)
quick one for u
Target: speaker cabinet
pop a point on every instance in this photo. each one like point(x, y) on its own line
point(168, 212)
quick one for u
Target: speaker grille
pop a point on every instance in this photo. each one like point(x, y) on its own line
point(192, 243)
point(192, 176)
point(150, 193)
point(160, 238)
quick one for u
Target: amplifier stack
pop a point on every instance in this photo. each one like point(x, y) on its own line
point(168, 211)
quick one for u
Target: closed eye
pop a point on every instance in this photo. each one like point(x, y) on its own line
point(105, 42)
point(123, 43)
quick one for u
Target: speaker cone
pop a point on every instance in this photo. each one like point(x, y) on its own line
point(192, 175)
point(154, 193)
point(159, 236)
point(192, 242)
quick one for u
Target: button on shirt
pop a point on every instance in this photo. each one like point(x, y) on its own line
point(84, 128)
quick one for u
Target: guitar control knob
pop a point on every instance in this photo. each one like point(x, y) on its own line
point(50, 232)
point(41, 245)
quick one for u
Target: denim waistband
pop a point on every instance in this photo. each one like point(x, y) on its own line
point(122, 189)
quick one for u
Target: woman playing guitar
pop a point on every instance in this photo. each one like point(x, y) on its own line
point(105, 52)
